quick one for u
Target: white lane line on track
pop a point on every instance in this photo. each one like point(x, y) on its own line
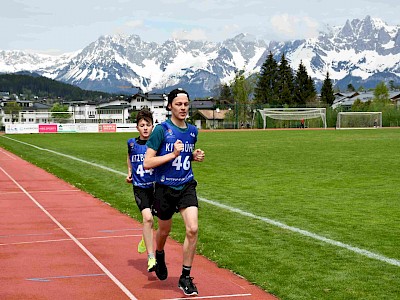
point(7, 154)
point(212, 297)
point(27, 234)
point(47, 279)
point(69, 240)
point(75, 240)
point(34, 192)
point(357, 250)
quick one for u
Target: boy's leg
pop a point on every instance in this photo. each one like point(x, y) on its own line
point(190, 217)
point(148, 229)
point(148, 238)
point(164, 227)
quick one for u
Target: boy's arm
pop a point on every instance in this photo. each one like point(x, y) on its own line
point(151, 160)
point(129, 176)
point(198, 155)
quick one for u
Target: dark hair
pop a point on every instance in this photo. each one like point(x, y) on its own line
point(174, 93)
point(144, 114)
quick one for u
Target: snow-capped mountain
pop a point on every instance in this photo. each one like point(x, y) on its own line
point(362, 52)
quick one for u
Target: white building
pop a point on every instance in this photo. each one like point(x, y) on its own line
point(114, 111)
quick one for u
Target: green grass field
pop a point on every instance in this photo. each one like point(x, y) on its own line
point(338, 193)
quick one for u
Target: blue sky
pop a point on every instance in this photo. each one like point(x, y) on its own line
point(55, 26)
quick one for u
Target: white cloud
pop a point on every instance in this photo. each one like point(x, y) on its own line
point(194, 34)
point(289, 26)
point(46, 24)
point(134, 23)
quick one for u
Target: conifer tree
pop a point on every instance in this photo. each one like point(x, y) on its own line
point(285, 82)
point(265, 91)
point(304, 89)
point(327, 95)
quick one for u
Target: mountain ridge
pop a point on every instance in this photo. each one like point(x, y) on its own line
point(361, 52)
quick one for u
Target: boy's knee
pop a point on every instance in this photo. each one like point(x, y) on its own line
point(192, 231)
point(148, 220)
point(164, 231)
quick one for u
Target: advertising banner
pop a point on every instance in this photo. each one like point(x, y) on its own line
point(107, 127)
point(47, 128)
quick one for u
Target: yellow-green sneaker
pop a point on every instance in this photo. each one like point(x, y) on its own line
point(151, 264)
point(141, 248)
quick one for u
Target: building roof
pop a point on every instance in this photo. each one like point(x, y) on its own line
point(121, 106)
point(202, 104)
point(210, 114)
point(155, 97)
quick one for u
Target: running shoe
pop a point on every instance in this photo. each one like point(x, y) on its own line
point(187, 286)
point(161, 267)
point(151, 264)
point(141, 248)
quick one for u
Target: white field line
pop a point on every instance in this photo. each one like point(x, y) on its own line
point(357, 250)
point(74, 239)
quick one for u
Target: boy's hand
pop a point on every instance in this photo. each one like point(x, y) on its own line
point(178, 147)
point(128, 179)
point(198, 155)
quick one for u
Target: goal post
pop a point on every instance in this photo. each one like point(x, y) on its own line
point(35, 117)
point(359, 120)
point(295, 114)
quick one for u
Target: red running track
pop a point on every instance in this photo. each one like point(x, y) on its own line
point(57, 242)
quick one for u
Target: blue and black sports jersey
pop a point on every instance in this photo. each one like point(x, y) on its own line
point(140, 177)
point(178, 171)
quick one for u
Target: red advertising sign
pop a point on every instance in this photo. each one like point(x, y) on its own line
point(107, 127)
point(47, 128)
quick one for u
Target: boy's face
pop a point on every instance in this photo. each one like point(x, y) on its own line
point(144, 127)
point(180, 106)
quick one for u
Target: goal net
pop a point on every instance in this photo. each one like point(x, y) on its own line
point(359, 120)
point(293, 117)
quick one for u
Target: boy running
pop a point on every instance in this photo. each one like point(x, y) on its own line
point(171, 151)
point(143, 182)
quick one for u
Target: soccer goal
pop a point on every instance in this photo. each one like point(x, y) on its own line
point(27, 117)
point(359, 120)
point(293, 117)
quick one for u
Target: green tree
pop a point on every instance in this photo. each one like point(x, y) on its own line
point(60, 113)
point(133, 116)
point(350, 88)
point(392, 86)
point(381, 93)
point(285, 82)
point(358, 105)
point(266, 87)
point(242, 90)
point(327, 95)
point(12, 108)
point(225, 92)
point(361, 89)
point(304, 89)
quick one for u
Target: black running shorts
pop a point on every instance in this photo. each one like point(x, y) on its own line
point(144, 197)
point(168, 201)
